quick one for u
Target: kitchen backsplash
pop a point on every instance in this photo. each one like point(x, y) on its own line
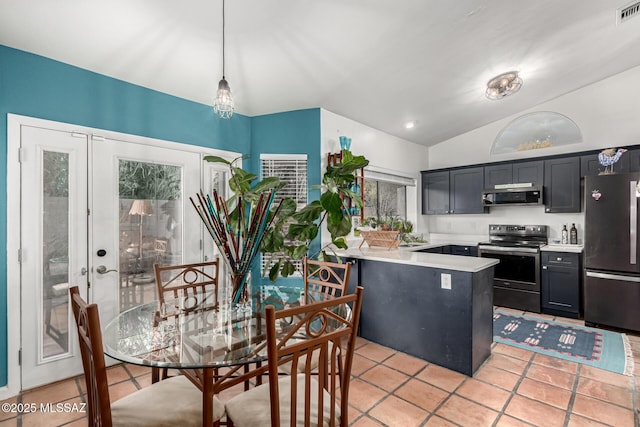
point(467, 226)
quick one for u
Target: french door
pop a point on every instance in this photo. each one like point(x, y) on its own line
point(53, 252)
point(98, 212)
point(140, 214)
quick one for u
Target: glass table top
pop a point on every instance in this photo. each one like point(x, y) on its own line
point(198, 331)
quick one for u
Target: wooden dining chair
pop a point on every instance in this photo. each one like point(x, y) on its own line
point(304, 398)
point(175, 401)
point(186, 281)
point(192, 284)
point(323, 277)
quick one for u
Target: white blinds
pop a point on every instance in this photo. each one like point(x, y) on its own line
point(292, 170)
point(394, 177)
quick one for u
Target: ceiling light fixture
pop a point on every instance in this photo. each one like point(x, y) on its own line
point(503, 85)
point(223, 104)
point(410, 125)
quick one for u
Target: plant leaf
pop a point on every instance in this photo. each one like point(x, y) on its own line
point(340, 242)
point(273, 272)
point(309, 213)
point(216, 159)
point(340, 229)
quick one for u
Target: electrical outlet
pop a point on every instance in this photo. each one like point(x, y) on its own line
point(445, 281)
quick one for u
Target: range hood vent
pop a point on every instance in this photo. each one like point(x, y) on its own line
point(628, 12)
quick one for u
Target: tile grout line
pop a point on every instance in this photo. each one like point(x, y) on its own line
point(513, 391)
point(574, 394)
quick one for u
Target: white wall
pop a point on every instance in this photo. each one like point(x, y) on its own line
point(607, 115)
point(382, 150)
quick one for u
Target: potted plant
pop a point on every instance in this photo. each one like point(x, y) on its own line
point(248, 222)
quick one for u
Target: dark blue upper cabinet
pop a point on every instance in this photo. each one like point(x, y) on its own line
point(532, 172)
point(456, 191)
point(514, 173)
point(435, 192)
point(633, 157)
point(465, 191)
point(498, 174)
point(562, 185)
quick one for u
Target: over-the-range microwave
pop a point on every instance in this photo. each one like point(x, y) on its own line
point(517, 195)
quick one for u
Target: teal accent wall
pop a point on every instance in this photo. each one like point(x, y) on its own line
point(293, 132)
point(35, 86)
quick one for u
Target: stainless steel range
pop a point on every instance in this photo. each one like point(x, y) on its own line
point(516, 282)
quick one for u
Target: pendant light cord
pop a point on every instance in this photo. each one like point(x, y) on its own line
point(223, 23)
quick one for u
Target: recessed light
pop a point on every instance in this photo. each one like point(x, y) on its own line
point(410, 125)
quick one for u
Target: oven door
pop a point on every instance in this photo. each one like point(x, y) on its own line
point(519, 268)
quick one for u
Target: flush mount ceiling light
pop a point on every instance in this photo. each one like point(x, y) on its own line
point(410, 124)
point(223, 104)
point(503, 85)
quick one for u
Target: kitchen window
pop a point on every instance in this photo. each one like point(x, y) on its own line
point(292, 170)
point(385, 194)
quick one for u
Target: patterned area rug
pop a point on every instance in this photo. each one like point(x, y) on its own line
point(589, 346)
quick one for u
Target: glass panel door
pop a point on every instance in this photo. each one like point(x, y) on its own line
point(140, 215)
point(53, 250)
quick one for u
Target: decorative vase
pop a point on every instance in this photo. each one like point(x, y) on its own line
point(238, 293)
point(345, 143)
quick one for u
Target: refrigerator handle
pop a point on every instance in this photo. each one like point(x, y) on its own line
point(609, 276)
point(633, 221)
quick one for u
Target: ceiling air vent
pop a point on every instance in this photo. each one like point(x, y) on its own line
point(628, 12)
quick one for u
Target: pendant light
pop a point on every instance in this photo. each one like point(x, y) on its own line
point(223, 104)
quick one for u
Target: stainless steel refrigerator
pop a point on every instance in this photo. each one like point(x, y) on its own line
point(611, 249)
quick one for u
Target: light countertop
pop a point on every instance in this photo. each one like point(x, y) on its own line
point(563, 248)
point(410, 257)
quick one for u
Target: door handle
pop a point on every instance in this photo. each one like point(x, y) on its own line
point(633, 221)
point(101, 269)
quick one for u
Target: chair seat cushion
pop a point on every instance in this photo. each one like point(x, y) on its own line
point(172, 402)
point(253, 407)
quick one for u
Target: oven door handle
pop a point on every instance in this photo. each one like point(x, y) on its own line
point(509, 249)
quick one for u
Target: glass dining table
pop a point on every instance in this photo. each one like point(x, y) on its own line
point(199, 334)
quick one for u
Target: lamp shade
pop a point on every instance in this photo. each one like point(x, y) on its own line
point(223, 104)
point(141, 207)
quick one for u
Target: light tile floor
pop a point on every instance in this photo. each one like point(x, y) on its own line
point(514, 387)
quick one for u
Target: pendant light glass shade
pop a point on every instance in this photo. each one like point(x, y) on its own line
point(223, 104)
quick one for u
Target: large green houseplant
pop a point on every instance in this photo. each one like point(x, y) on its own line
point(288, 232)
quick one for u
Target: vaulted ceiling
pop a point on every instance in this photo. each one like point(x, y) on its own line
point(379, 62)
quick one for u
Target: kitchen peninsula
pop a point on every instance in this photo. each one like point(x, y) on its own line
point(433, 306)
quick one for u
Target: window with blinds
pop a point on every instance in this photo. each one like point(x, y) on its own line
point(292, 170)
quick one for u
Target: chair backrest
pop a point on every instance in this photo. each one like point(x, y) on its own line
point(91, 350)
point(326, 327)
point(187, 280)
point(328, 278)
